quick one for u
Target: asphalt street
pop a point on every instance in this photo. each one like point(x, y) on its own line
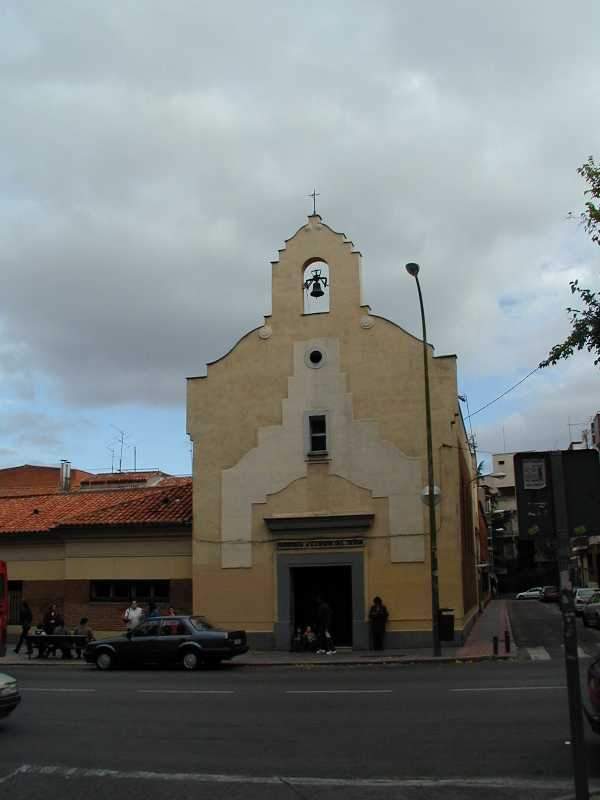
point(537, 629)
point(493, 729)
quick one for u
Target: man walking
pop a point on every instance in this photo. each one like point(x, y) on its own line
point(25, 620)
point(133, 615)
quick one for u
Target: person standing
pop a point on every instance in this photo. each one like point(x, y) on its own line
point(133, 615)
point(153, 611)
point(25, 620)
point(378, 617)
point(83, 629)
point(50, 620)
point(324, 635)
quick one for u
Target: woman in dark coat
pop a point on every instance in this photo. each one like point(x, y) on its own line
point(378, 616)
point(25, 620)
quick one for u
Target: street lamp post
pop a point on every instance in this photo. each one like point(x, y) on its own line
point(413, 269)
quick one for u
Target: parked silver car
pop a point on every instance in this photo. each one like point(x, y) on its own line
point(581, 599)
point(591, 611)
point(535, 593)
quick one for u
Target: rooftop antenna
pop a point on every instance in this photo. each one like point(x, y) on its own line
point(111, 450)
point(121, 442)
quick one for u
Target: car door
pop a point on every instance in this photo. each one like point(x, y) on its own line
point(173, 632)
point(143, 646)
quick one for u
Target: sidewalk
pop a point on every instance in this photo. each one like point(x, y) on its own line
point(492, 622)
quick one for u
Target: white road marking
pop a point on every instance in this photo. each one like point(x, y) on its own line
point(538, 654)
point(507, 688)
point(521, 784)
point(184, 691)
point(10, 775)
point(339, 691)
point(53, 689)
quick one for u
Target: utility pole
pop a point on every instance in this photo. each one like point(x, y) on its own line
point(580, 772)
point(413, 271)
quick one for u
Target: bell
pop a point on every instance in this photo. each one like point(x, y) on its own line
point(316, 289)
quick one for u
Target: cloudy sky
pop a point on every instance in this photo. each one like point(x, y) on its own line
point(155, 155)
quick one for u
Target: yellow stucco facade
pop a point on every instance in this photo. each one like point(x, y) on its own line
point(266, 505)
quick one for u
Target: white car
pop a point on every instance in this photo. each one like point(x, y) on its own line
point(9, 695)
point(581, 598)
point(531, 594)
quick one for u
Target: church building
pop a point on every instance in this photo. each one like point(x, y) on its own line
point(310, 465)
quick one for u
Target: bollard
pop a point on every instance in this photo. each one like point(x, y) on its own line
point(506, 642)
point(495, 645)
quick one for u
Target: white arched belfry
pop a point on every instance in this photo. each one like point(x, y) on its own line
point(312, 272)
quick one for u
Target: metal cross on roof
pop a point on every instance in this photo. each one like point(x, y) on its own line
point(314, 196)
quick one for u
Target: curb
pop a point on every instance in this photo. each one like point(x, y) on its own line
point(355, 662)
point(379, 662)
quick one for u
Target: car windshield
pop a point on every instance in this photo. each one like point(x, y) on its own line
point(201, 624)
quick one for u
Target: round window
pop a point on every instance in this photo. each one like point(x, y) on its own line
point(314, 358)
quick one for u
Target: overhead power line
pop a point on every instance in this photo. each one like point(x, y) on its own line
point(500, 396)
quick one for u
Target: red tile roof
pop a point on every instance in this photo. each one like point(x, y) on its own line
point(122, 507)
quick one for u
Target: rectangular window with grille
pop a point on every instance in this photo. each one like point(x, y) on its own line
point(318, 433)
point(125, 591)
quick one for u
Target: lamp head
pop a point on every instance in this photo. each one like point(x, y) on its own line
point(412, 269)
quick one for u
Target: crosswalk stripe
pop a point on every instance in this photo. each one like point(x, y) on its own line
point(538, 654)
point(580, 652)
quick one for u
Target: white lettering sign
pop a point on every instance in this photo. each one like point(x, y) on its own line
point(534, 473)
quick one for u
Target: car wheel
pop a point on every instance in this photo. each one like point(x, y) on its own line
point(104, 660)
point(190, 660)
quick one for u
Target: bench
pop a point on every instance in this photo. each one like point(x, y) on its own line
point(65, 642)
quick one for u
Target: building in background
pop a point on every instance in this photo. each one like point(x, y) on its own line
point(31, 479)
point(485, 564)
point(310, 463)
point(504, 522)
point(595, 428)
point(551, 486)
point(94, 547)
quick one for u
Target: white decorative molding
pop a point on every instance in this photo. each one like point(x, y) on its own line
point(357, 454)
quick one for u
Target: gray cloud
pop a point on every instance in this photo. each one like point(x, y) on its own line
point(154, 161)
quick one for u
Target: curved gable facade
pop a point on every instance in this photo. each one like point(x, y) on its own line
point(309, 443)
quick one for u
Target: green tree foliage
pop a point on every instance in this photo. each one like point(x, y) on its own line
point(585, 321)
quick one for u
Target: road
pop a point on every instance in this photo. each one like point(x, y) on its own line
point(448, 731)
point(537, 629)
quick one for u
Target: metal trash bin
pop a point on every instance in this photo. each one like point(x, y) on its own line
point(446, 624)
